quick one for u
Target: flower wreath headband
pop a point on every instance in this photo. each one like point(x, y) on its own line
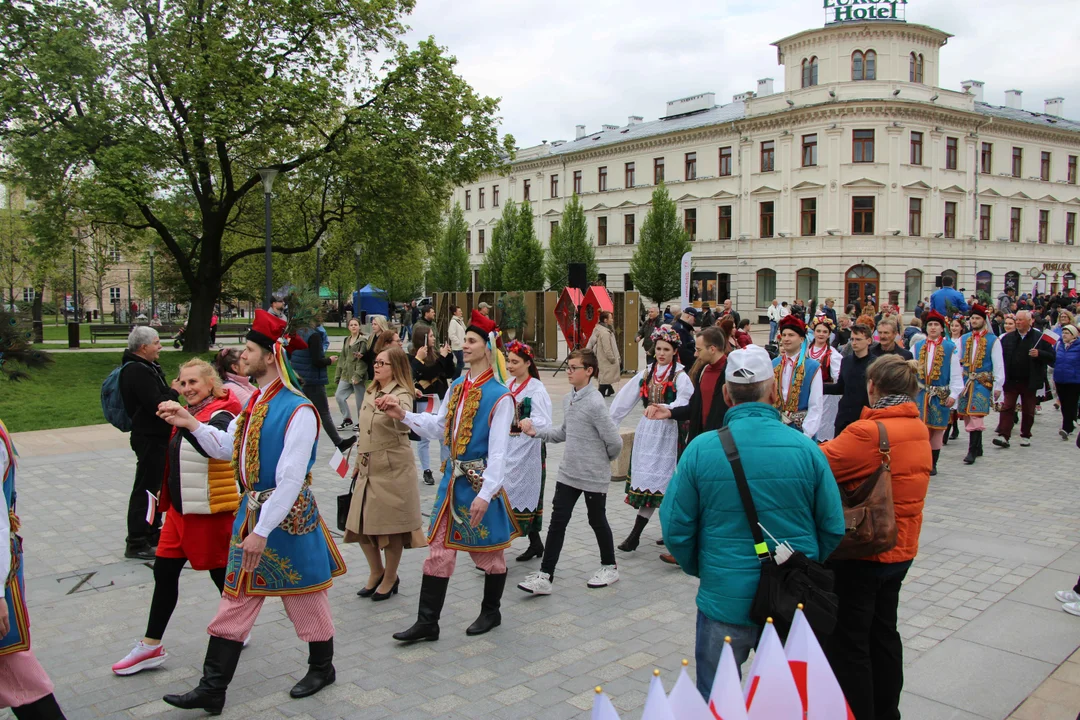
point(519, 348)
point(667, 334)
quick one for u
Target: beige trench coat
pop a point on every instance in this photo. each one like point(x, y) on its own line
point(605, 346)
point(386, 500)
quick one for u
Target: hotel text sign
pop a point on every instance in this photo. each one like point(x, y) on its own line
point(837, 11)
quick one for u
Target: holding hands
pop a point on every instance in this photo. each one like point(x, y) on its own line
point(390, 405)
point(177, 415)
point(527, 427)
point(657, 412)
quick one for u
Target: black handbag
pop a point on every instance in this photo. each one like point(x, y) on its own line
point(783, 587)
point(343, 503)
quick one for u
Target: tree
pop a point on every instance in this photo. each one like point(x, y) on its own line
point(449, 269)
point(656, 265)
point(164, 111)
point(570, 243)
point(524, 269)
point(15, 244)
point(503, 237)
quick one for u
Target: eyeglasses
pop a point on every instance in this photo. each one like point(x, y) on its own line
point(380, 363)
point(574, 368)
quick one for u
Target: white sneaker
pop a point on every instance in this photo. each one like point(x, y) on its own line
point(1066, 596)
point(1025, 442)
point(606, 575)
point(1073, 608)
point(141, 657)
point(1064, 435)
point(537, 583)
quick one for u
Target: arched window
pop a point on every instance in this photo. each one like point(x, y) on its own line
point(984, 282)
point(806, 284)
point(857, 65)
point(1012, 280)
point(860, 282)
point(951, 274)
point(810, 72)
point(766, 287)
point(871, 65)
point(912, 289)
point(916, 68)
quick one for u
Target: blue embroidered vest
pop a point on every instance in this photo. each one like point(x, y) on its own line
point(811, 368)
point(977, 399)
point(932, 412)
point(18, 636)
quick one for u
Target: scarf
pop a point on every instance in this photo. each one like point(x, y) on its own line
point(891, 401)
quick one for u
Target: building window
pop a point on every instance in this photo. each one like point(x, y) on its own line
point(601, 179)
point(725, 161)
point(765, 210)
point(577, 182)
point(480, 198)
point(630, 181)
point(1044, 166)
point(114, 294)
point(806, 283)
point(952, 153)
point(526, 186)
point(1071, 176)
point(916, 68)
point(690, 222)
point(554, 228)
point(28, 294)
point(864, 65)
point(768, 156)
point(480, 241)
point(691, 166)
point(809, 150)
point(986, 158)
point(658, 171)
point(984, 282)
point(627, 282)
point(950, 219)
point(1018, 162)
point(628, 229)
point(494, 196)
point(468, 200)
point(862, 215)
point(1014, 225)
point(601, 231)
point(724, 224)
point(554, 186)
point(468, 241)
point(984, 222)
point(916, 148)
point(114, 253)
point(809, 72)
point(862, 146)
point(914, 221)
point(1044, 226)
point(1070, 228)
point(912, 289)
point(766, 287)
point(808, 216)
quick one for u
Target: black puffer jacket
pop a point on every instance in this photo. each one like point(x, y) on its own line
point(143, 388)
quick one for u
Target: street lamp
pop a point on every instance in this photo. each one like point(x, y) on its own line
point(153, 290)
point(268, 175)
point(318, 268)
point(74, 288)
point(356, 296)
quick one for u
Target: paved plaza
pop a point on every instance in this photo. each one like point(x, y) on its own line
point(980, 624)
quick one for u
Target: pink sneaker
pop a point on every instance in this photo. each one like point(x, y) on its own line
point(142, 657)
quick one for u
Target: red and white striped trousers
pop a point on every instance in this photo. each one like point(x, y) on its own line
point(441, 559)
point(309, 613)
point(22, 679)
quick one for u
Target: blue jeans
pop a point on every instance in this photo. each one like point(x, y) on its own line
point(423, 449)
point(710, 643)
point(459, 355)
point(772, 330)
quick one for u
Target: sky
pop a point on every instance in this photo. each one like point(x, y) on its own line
point(559, 63)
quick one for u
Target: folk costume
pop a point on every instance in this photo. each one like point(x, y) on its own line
point(24, 685)
point(940, 377)
point(798, 385)
point(656, 442)
point(984, 376)
point(474, 421)
point(829, 360)
point(272, 445)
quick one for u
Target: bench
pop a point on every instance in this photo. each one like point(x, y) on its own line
point(122, 331)
point(237, 330)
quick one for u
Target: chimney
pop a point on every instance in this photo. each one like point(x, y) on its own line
point(579, 132)
point(742, 97)
point(764, 87)
point(605, 128)
point(974, 87)
point(1012, 98)
point(634, 119)
point(1055, 106)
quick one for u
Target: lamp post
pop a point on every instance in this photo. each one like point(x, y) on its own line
point(153, 290)
point(268, 175)
point(74, 287)
point(318, 268)
point(127, 310)
point(356, 296)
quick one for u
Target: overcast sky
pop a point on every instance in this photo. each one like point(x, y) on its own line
point(559, 63)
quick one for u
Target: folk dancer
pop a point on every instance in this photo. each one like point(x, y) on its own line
point(941, 380)
point(526, 456)
point(956, 331)
point(829, 359)
point(984, 376)
point(471, 510)
point(280, 544)
point(798, 380)
point(656, 441)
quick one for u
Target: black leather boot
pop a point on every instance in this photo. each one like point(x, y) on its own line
point(974, 438)
point(320, 670)
point(978, 443)
point(536, 548)
point(955, 429)
point(45, 708)
point(490, 617)
point(221, 658)
point(631, 542)
point(933, 469)
point(432, 596)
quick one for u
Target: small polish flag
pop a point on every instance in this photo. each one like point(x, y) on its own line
point(819, 690)
point(656, 702)
point(770, 690)
point(427, 404)
point(1050, 336)
point(602, 709)
point(685, 700)
point(726, 700)
point(339, 463)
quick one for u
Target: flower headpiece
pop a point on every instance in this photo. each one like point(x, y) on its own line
point(822, 320)
point(667, 334)
point(519, 348)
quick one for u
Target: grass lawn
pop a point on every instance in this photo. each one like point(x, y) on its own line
point(68, 393)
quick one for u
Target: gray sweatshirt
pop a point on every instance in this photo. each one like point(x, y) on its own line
point(592, 442)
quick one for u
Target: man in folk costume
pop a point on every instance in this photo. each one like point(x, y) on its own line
point(941, 379)
point(829, 359)
point(798, 380)
point(984, 376)
point(280, 545)
point(471, 509)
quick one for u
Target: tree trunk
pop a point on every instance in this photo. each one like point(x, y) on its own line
point(197, 335)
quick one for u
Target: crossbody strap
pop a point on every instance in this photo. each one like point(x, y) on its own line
point(732, 452)
point(883, 439)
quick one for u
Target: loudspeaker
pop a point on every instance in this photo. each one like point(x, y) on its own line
point(577, 277)
point(937, 281)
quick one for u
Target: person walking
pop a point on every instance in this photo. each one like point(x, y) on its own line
point(798, 379)
point(774, 313)
point(311, 363)
point(425, 318)
point(592, 442)
point(706, 529)
point(851, 384)
point(227, 363)
point(1067, 378)
point(456, 331)
point(984, 376)
point(603, 344)
point(865, 650)
point(199, 499)
point(384, 514)
point(352, 373)
point(940, 381)
point(142, 389)
point(1026, 354)
point(432, 371)
point(830, 361)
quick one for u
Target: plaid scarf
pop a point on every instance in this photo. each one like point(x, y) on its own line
point(892, 400)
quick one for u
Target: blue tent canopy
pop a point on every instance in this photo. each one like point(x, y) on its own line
point(370, 300)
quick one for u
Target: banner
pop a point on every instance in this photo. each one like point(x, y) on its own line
point(684, 299)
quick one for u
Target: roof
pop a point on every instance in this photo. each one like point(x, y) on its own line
point(1026, 116)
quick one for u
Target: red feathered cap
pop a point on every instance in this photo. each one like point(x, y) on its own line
point(266, 328)
point(791, 322)
point(934, 316)
point(977, 309)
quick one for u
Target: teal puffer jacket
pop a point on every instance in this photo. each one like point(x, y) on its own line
point(706, 529)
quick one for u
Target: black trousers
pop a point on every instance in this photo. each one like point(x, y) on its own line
point(317, 395)
point(150, 454)
point(1069, 399)
point(562, 507)
point(167, 592)
point(865, 650)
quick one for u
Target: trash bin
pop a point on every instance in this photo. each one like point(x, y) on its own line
point(73, 335)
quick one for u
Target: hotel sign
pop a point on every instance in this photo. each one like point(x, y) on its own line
point(840, 11)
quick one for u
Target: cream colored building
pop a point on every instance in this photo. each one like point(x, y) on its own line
point(862, 177)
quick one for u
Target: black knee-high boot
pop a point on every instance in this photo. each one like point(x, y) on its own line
point(45, 708)
point(935, 454)
point(221, 658)
point(974, 447)
point(432, 596)
point(536, 547)
point(631, 542)
point(320, 670)
point(490, 617)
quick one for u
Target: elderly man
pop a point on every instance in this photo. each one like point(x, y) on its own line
point(887, 330)
point(143, 388)
point(775, 313)
point(1026, 354)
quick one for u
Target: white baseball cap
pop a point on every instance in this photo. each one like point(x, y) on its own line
point(751, 364)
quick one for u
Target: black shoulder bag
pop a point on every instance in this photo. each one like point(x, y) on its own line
point(783, 586)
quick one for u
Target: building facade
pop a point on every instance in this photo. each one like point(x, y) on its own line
point(862, 177)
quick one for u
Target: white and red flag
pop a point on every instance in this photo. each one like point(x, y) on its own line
point(685, 701)
point(339, 463)
point(819, 690)
point(656, 703)
point(770, 689)
point(427, 404)
point(602, 709)
point(726, 700)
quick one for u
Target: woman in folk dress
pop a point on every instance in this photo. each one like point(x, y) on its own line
point(829, 359)
point(526, 456)
point(656, 442)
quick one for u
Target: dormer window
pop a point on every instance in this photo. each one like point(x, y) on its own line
point(916, 68)
point(864, 65)
point(810, 72)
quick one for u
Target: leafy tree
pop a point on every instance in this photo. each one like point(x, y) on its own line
point(570, 243)
point(162, 112)
point(503, 237)
point(655, 267)
point(524, 269)
point(15, 242)
point(449, 269)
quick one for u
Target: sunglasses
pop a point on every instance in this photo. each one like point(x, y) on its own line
point(380, 363)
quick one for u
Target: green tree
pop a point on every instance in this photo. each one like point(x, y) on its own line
point(503, 237)
point(570, 243)
point(449, 270)
point(524, 269)
point(164, 111)
point(655, 267)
